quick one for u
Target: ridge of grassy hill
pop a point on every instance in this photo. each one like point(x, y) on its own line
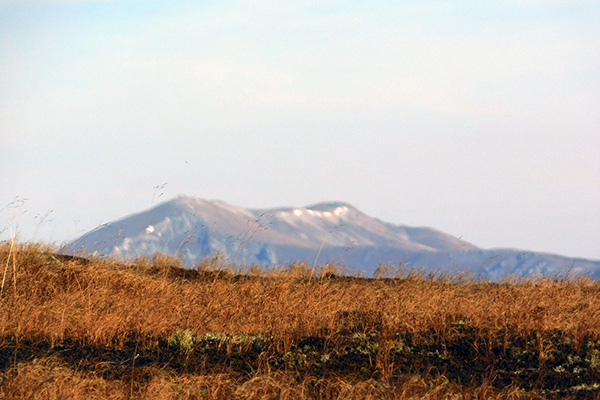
point(89, 328)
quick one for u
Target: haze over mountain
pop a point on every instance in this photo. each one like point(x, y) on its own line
point(330, 232)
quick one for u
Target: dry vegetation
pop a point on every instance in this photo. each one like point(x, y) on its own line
point(91, 329)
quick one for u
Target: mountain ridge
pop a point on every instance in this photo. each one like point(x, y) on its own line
point(324, 232)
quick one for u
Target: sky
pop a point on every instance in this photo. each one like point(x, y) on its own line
point(477, 118)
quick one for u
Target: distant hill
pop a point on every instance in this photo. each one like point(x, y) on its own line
point(331, 232)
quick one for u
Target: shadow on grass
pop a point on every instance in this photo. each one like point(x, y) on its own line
point(552, 364)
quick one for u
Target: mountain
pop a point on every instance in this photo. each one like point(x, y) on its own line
point(337, 232)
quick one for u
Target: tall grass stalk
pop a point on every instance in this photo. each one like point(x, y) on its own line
point(13, 238)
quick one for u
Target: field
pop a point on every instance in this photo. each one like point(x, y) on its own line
point(75, 328)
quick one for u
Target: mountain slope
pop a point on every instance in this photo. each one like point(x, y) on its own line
point(192, 229)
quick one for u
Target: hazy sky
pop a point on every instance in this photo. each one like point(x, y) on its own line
point(478, 118)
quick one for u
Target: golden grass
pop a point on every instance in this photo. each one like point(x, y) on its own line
point(56, 305)
point(44, 380)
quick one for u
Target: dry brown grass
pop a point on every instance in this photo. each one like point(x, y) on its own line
point(43, 380)
point(56, 304)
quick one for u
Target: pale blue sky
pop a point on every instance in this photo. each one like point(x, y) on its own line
point(478, 118)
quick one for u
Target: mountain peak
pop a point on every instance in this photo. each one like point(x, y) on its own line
point(183, 202)
point(188, 203)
